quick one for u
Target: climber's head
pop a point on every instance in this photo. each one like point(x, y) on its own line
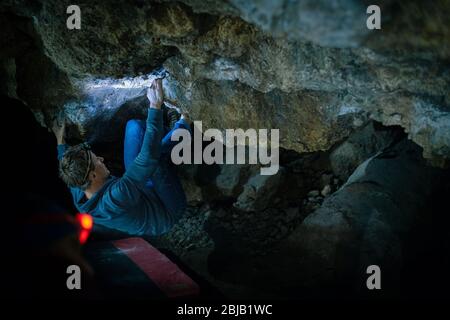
point(81, 168)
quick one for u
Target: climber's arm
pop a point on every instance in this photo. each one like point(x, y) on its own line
point(59, 129)
point(147, 160)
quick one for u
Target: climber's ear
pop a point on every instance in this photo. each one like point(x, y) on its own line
point(92, 175)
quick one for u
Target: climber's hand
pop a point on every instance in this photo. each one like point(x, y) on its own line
point(155, 94)
point(59, 129)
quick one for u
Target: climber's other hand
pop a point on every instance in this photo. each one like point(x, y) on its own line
point(59, 129)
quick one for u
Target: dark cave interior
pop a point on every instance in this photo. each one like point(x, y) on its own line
point(364, 174)
point(244, 267)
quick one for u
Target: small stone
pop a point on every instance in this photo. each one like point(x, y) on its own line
point(397, 118)
point(357, 122)
point(326, 190)
point(313, 193)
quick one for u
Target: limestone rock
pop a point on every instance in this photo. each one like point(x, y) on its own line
point(367, 221)
point(313, 193)
point(360, 145)
point(193, 191)
point(310, 68)
point(258, 192)
point(326, 191)
point(230, 180)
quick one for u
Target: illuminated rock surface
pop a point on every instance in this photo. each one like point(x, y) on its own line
point(274, 68)
point(338, 92)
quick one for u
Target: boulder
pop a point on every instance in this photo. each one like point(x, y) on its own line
point(259, 191)
point(367, 222)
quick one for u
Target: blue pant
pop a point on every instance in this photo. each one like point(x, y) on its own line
point(165, 180)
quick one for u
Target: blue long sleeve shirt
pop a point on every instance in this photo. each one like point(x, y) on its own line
point(126, 203)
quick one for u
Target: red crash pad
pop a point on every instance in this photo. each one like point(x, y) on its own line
point(159, 269)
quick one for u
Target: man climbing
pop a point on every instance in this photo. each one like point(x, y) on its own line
point(148, 199)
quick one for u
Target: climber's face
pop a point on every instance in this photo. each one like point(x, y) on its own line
point(100, 172)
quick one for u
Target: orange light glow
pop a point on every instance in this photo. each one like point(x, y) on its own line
point(83, 236)
point(86, 223)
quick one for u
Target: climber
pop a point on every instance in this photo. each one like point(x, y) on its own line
point(148, 199)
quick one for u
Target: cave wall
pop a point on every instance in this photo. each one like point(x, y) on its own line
point(370, 220)
point(338, 92)
point(315, 79)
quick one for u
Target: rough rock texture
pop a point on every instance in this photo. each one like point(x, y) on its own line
point(361, 145)
point(368, 221)
point(258, 192)
point(380, 216)
point(314, 78)
point(230, 179)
